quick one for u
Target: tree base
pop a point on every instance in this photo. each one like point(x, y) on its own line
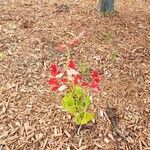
point(106, 6)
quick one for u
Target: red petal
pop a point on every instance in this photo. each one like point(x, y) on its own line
point(53, 81)
point(97, 89)
point(94, 74)
point(54, 70)
point(74, 42)
point(97, 79)
point(64, 80)
point(94, 84)
point(77, 79)
point(62, 47)
point(84, 84)
point(72, 64)
point(55, 88)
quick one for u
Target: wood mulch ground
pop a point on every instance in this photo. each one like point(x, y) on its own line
point(118, 45)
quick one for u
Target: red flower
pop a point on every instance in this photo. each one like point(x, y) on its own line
point(62, 47)
point(77, 79)
point(53, 81)
point(60, 78)
point(95, 86)
point(53, 70)
point(74, 42)
point(72, 64)
point(97, 79)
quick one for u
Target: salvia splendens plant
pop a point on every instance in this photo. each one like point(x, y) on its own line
point(69, 80)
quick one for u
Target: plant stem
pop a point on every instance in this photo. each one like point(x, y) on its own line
point(79, 129)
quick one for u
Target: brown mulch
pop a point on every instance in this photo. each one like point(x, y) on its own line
point(119, 46)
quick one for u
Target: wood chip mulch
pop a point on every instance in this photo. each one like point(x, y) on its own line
point(119, 46)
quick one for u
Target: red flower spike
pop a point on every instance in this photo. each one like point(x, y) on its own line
point(72, 64)
point(62, 47)
point(53, 70)
point(53, 81)
point(75, 42)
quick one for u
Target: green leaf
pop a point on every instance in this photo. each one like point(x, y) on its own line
point(87, 102)
point(83, 118)
point(79, 105)
point(114, 57)
point(72, 109)
point(68, 103)
point(78, 118)
point(87, 118)
point(106, 37)
point(78, 91)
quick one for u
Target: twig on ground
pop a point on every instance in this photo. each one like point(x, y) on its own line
point(111, 116)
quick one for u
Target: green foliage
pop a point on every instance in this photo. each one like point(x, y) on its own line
point(114, 57)
point(106, 37)
point(86, 102)
point(78, 91)
point(77, 103)
point(83, 118)
point(68, 103)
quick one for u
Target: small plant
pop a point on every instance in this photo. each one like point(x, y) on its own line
point(77, 103)
point(114, 57)
point(76, 90)
point(106, 37)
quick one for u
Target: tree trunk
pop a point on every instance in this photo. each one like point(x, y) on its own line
point(106, 6)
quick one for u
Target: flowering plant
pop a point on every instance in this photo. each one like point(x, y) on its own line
point(69, 79)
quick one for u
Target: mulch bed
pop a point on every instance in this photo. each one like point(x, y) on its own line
point(119, 46)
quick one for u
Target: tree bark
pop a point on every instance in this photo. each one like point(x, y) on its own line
point(106, 6)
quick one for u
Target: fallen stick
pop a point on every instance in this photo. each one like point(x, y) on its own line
point(111, 116)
